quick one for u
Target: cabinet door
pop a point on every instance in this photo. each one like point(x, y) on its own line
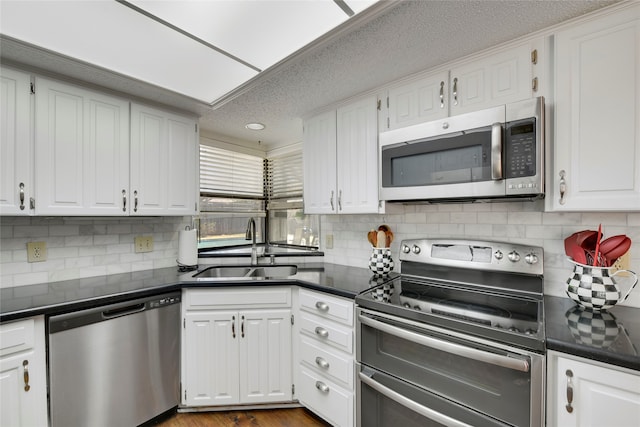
point(319, 158)
point(497, 79)
point(357, 157)
point(420, 101)
point(163, 163)
point(601, 396)
point(23, 384)
point(81, 151)
point(210, 358)
point(16, 143)
point(597, 130)
point(183, 170)
point(265, 356)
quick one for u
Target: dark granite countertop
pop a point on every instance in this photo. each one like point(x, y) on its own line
point(611, 336)
point(64, 296)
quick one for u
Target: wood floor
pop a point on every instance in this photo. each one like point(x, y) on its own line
point(295, 417)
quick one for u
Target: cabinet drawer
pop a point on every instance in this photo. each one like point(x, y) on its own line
point(236, 297)
point(326, 398)
point(327, 360)
point(327, 306)
point(16, 336)
point(327, 332)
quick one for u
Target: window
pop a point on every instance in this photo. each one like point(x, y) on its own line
point(235, 187)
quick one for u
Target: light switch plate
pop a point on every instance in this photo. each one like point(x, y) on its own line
point(143, 244)
point(36, 251)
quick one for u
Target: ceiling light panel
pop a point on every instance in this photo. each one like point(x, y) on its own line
point(114, 37)
point(262, 33)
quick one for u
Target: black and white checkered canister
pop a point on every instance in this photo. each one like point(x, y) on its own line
point(380, 261)
point(592, 287)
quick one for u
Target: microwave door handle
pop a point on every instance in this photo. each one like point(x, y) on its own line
point(411, 404)
point(496, 151)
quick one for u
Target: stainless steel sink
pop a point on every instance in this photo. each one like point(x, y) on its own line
point(246, 271)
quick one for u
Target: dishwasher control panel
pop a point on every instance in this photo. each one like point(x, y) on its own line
point(165, 301)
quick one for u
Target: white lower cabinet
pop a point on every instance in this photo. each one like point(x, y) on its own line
point(326, 356)
point(236, 346)
point(23, 383)
point(585, 393)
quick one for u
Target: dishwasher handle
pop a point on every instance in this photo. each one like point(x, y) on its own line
point(123, 311)
point(107, 312)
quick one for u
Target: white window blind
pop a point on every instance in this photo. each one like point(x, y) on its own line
point(284, 176)
point(228, 173)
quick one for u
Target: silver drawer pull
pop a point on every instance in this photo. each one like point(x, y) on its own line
point(322, 306)
point(321, 362)
point(568, 406)
point(320, 331)
point(322, 387)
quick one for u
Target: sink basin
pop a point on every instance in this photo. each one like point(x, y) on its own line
point(246, 271)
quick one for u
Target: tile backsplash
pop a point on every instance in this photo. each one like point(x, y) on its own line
point(84, 247)
point(517, 222)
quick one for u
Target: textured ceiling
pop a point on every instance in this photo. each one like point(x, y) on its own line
point(408, 37)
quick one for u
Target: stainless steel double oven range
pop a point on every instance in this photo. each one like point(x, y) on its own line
point(456, 340)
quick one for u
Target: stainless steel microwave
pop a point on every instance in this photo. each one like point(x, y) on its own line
point(488, 154)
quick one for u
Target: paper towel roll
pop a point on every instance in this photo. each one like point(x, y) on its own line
point(188, 248)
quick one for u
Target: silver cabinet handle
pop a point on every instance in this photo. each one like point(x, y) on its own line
point(321, 362)
point(455, 91)
point(322, 332)
point(410, 404)
point(233, 326)
point(563, 186)
point(242, 327)
point(496, 151)
point(322, 306)
point(442, 94)
point(322, 387)
point(22, 196)
point(331, 201)
point(25, 366)
point(568, 406)
point(340, 200)
point(448, 347)
point(135, 201)
point(124, 200)
point(534, 84)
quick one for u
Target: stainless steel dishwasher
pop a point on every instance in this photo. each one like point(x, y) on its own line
point(115, 365)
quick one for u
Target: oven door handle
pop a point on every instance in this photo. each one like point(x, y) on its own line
point(449, 347)
point(410, 404)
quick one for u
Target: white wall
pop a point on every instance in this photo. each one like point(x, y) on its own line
point(518, 222)
point(84, 247)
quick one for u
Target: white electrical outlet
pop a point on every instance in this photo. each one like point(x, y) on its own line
point(143, 244)
point(36, 251)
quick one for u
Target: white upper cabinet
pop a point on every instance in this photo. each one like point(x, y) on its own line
point(418, 101)
point(81, 151)
point(501, 76)
point(164, 167)
point(16, 143)
point(596, 152)
point(341, 160)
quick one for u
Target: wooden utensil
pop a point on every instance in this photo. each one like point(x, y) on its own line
point(372, 236)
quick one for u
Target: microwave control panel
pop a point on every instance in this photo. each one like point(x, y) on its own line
point(521, 157)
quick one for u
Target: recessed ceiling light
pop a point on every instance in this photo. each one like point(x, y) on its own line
point(255, 126)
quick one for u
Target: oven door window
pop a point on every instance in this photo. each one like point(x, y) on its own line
point(449, 159)
point(490, 380)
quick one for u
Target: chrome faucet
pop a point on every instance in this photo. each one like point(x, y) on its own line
point(251, 235)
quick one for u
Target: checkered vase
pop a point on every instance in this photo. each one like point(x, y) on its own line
point(594, 288)
point(380, 262)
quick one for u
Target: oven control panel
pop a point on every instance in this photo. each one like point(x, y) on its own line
point(481, 255)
